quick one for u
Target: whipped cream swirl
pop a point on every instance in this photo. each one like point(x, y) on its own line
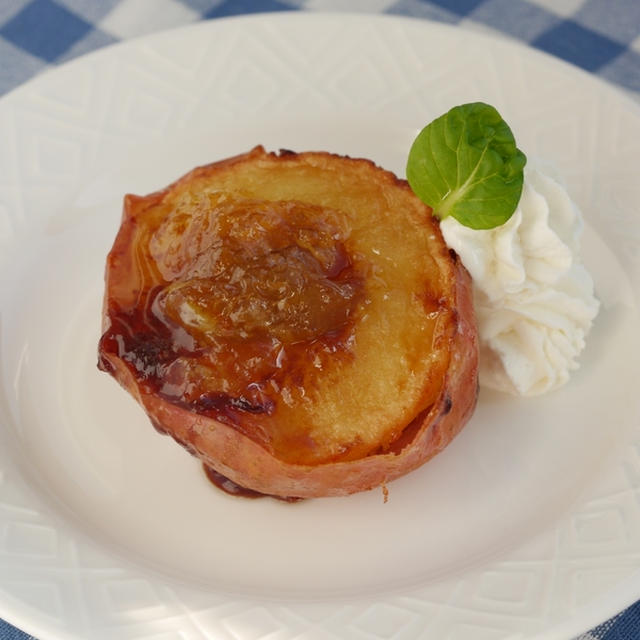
point(534, 299)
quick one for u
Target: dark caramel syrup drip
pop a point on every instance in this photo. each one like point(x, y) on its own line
point(233, 489)
point(139, 338)
point(148, 347)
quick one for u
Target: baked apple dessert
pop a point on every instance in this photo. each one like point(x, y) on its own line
point(295, 320)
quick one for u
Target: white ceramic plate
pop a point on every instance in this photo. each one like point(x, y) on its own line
point(528, 525)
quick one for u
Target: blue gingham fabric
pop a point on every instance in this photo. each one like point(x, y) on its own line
point(600, 36)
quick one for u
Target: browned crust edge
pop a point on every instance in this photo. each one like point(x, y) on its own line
point(236, 456)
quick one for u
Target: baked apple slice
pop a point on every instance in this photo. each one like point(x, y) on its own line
point(295, 320)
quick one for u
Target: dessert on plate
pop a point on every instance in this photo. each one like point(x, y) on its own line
point(294, 320)
point(305, 323)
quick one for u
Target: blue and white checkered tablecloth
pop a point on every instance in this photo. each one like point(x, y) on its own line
point(600, 36)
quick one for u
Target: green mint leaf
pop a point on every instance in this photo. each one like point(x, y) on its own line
point(466, 164)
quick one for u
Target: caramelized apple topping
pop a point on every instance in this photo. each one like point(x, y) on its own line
point(248, 289)
point(294, 320)
point(255, 270)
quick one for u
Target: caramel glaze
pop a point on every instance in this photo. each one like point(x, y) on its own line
point(231, 306)
point(229, 486)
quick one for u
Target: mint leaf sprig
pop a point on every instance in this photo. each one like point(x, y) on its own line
point(466, 164)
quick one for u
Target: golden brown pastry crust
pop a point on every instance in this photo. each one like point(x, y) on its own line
point(440, 410)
